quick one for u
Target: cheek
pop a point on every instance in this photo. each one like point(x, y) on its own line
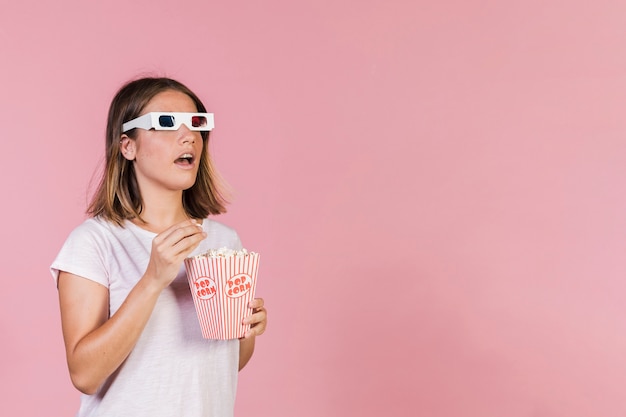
point(151, 159)
point(143, 153)
point(150, 149)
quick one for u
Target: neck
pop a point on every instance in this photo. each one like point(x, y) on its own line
point(161, 211)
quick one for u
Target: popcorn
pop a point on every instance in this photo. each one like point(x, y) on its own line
point(223, 252)
point(222, 283)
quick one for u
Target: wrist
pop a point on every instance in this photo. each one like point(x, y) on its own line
point(149, 285)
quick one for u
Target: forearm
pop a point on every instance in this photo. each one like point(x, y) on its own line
point(100, 352)
point(246, 349)
point(257, 322)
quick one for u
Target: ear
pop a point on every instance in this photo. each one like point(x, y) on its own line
point(128, 147)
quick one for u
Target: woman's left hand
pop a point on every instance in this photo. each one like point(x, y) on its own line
point(258, 319)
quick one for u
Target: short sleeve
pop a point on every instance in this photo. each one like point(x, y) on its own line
point(84, 254)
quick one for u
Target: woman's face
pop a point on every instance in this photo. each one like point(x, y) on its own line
point(166, 160)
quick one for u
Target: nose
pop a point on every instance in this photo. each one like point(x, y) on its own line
point(186, 135)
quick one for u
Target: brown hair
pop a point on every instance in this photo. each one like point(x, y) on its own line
point(117, 197)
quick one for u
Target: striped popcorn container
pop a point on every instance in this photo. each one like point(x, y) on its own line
point(222, 283)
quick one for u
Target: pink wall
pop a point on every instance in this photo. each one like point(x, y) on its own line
point(437, 188)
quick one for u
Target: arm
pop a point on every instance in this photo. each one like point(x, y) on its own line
point(95, 344)
point(258, 324)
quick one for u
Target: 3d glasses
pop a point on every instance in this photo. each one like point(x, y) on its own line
point(171, 121)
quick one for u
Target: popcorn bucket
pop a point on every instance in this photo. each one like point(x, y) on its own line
point(222, 283)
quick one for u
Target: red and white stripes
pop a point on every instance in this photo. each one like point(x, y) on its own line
point(221, 288)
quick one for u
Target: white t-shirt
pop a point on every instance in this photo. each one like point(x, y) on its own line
point(172, 370)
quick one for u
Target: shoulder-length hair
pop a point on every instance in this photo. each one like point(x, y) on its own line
point(117, 197)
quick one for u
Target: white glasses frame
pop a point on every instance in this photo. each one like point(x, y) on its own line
point(151, 121)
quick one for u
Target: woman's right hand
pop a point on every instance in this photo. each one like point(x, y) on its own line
point(169, 250)
point(97, 344)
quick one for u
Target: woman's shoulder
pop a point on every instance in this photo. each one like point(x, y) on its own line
point(94, 225)
point(220, 234)
point(214, 225)
point(94, 229)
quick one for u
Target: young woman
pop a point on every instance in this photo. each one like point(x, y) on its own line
point(133, 342)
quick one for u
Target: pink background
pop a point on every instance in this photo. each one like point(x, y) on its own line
point(437, 190)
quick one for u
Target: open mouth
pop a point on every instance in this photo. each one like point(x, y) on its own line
point(185, 159)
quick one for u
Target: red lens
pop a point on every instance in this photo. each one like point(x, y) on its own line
point(198, 121)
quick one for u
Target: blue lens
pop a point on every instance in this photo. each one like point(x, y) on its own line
point(167, 121)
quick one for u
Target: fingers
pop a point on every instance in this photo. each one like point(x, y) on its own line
point(256, 303)
point(258, 319)
point(170, 247)
point(182, 238)
point(180, 231)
